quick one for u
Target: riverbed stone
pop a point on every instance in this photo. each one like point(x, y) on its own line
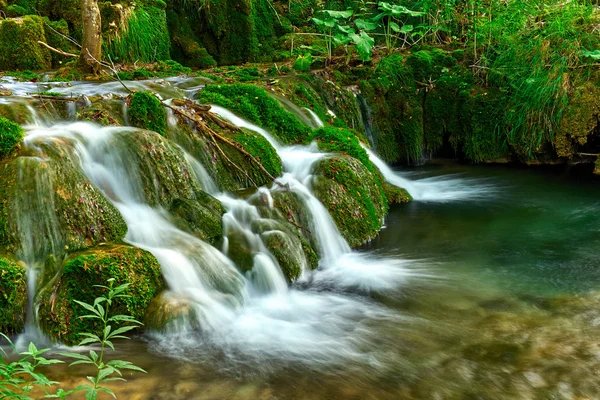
point(59, 314)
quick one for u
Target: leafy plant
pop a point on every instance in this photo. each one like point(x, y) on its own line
point(19, 378)
point(390, 15)
point(107, 371)
point(303, 62)
point(328, 23)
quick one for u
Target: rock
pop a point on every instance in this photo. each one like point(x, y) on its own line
point(59, 315)
point(287, 250)
point(352, 196)
point(202, 217)
point(19, 47)
point(13, 296)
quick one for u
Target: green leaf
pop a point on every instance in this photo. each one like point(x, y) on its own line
point(92, 394)
point(107, 390)
point(124, 329)
point(364, 45)
point(302, 63)
point(407, 29)
point(330, 23)
point(345, 29)
point(88, 307)
point(595, 54)
point(365, 25)
point(338, 14)
point(395, 27)
point(341, 39)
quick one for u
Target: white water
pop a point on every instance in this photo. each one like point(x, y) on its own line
point(442, 189)
point(255, 317)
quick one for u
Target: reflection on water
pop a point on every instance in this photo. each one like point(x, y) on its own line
point(507, 307)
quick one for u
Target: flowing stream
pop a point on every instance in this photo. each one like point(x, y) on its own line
point(468, 292)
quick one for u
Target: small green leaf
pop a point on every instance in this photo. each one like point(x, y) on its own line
point(365, 25)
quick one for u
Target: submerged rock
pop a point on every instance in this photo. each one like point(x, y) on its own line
point(352, 196)
point(202, 217)
point(59, 315)
point(13, 296)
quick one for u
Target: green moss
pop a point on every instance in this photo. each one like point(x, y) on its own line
point(202, 217)
point(147, 112)
point(396, 195)
point(71, 214)
point(339, 100)
point(13, 296)
point(287, 250)
point(157, 167)
point(11, 135)
point(59, 315)
point(260, 149)
point(256, 105)
point(353, 197)
point(57, 41)
point(580, 119)
point(339, 140)
point(19, 47)
point(145, 39)
point(106, 113)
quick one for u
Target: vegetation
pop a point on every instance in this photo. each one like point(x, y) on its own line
point(13, 296)
point(256, 105)
point(11, 135)
point(19, 378)
point(147, 112)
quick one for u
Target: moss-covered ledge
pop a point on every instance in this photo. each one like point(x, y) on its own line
point(13, 296)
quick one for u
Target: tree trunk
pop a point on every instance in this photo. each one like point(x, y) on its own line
point(91, 48)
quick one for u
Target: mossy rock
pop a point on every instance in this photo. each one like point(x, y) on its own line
point(15, 112)
point(234, 171)
point(61, 318)
point(11, 135)
point(13, 296)
point(287, 250)
point(340, 140)
point(353, 197)
point(396, 195)
point(256, 105)
point(146, 111)
point(48, 206)
point(157, 167)
point(202, 217)
point(19, 47)
point(580, 119)
point(340, 101)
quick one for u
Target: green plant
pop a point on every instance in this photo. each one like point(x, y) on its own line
point(19, 378)
point(390, 14)
point(107, 371)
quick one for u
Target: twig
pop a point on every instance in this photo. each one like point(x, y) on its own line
point(70, 39)
point(59, 51)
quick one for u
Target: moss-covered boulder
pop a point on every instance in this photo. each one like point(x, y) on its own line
point(48, 206)
point(580, 119)
point(59, 315)
point(352, 195)
point(146, 112)
point(256, 105)
point(396, 195)
point(224, 161)
point(203, 217)
point(19, 47)
point(13, 296)
point(11, 135)
point(157, 167)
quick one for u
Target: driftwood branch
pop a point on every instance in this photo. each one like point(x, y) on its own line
point(202, 111)
point(59, 51)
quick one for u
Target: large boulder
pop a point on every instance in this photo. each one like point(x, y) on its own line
point(19, 47)
point(60, 316)
point(48, 206)
point(352, 195)
point(13, 296)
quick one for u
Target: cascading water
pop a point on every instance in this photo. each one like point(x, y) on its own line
point(255, 315)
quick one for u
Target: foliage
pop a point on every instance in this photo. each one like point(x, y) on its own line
point(147, 112)
point(145, 38)
point(256, 105)
point(13, 296)
point(11, 135)
point(340, 140)
point(100, 310)
point(19, 378)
